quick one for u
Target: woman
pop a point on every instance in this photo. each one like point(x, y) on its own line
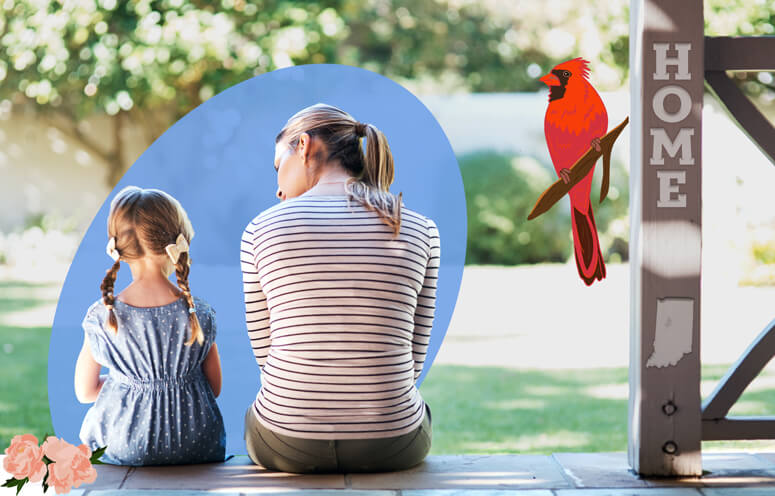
point(340, 288)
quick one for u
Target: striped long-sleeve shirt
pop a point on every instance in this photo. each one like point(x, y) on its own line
point(339, 315)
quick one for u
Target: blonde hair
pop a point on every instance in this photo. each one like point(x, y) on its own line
point(341, 134)
point(144, 222)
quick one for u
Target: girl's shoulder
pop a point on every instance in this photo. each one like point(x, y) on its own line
point(202, 307)
point(97, 311)
point(205, 313)
point(95, 318)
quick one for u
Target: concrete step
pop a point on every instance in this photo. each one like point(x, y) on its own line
point(561, 474)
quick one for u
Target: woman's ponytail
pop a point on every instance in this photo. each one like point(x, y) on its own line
point(107, 295)
point(372, 189)
point(378, 168)
point(372, 172)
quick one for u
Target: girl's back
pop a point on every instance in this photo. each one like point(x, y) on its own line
point(156, 406)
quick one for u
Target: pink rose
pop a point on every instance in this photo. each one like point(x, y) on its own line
point(71, 466)
point(24, 458)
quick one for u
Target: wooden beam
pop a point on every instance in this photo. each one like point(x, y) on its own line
point(739, 53)
point(750, 120)
point(666, 91)
point(737, 428)
point(740, 375)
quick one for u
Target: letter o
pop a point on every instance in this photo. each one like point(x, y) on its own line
point(658, 103)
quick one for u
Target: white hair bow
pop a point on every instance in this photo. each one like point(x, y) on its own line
point(174, 250)
point(111, 249)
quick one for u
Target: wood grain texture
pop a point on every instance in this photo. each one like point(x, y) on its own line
point(662, 444)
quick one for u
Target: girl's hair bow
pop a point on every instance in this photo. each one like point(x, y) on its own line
point(174, 250)
point(111, 249)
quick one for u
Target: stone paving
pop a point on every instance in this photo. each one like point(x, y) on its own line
point(561, 474)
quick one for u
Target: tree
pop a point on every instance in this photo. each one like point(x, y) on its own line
point(152, 61)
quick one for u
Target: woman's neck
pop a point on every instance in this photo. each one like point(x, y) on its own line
point(330, 182)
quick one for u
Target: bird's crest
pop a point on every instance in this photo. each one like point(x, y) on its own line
point(576, 66)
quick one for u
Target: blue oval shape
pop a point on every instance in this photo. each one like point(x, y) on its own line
point(217, 161)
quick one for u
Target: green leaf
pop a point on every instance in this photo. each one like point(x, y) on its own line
point(18, 484)
point(95, 457)
point(10, 483)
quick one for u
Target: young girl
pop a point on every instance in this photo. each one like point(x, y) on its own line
point(157, 405)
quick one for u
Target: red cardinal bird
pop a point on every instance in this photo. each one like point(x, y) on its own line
point(575, 120)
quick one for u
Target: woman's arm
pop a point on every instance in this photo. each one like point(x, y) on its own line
point(426, 302)
point(88, 381)
point(212, 369)
point(256, 311)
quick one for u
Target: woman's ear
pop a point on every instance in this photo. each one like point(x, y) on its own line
point(303, 148)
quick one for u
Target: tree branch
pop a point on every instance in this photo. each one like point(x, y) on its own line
point(578, 171)
point(116, 166)
point(75, 134)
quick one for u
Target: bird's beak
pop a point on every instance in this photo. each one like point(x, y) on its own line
point(550, 80)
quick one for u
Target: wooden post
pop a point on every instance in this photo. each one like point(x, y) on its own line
point(666, 78)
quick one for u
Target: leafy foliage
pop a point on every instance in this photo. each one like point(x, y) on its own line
point(501, 190)
point(744, 18)
point(111, 56)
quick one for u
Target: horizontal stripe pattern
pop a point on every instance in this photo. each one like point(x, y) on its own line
point(339, 314)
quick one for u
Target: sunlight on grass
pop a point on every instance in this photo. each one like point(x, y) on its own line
point(544, 390)
point(485, 410)
point(498, 410)
point(750, 407)
point(561, 440)
point(609, 391)
point(24, 355)
point(516, 404)
point(27, 304)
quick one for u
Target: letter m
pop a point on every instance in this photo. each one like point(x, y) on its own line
point(662, 141)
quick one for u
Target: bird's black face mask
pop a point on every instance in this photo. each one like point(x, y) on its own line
point(557, 92)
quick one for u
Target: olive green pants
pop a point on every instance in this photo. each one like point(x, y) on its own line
point(292, 454)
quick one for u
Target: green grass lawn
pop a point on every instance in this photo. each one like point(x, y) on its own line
point(23, 365)
point(496, 410)
point(475, 409)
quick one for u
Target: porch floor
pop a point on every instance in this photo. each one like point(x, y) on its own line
point(560, 474)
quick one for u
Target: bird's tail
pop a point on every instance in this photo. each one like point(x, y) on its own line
point(586, 246)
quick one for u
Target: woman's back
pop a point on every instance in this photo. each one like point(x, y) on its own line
point(156, 406)
point(351, 311)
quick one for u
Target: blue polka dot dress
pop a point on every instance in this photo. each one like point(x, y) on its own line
point(156, 406)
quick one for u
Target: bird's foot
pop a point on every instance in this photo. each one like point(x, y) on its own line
point(596, 144)
point(565, 175)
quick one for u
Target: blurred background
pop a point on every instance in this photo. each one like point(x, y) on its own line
point(86, 86)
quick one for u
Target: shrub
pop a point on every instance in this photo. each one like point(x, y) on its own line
point(501, 190)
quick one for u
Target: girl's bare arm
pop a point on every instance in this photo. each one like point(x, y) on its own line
point(88, 381)
point(212, 369)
